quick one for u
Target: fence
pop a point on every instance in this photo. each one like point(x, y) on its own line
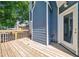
point(8, 35)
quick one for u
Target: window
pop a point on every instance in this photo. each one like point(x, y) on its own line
point(68, 27)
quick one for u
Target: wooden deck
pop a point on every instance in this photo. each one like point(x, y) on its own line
point(28, 48)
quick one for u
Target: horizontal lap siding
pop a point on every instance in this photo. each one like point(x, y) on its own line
point(39, 35)
point(39, 22)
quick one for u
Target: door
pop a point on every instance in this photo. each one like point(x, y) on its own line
point(69, 29)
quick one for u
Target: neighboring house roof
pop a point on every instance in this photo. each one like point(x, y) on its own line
point(22, 25)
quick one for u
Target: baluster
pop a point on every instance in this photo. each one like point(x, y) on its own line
point(2, 37)
point(6, 37)
point(9, 36)
point(22, 34)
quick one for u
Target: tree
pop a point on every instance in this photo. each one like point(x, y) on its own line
point(11, 11)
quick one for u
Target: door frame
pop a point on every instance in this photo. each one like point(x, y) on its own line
point(73, 9)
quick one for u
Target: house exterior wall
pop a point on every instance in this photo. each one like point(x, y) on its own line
point(39, 22)
point(52, 22)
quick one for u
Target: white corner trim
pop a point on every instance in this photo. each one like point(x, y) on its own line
point(32, 24)
point(47, 23)
point(32, 10)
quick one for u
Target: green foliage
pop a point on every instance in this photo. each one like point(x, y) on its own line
point(11, 11)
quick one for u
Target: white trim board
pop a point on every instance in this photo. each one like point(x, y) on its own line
point(47, 23)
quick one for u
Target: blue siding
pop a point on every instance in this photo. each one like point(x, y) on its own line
point(53, 22)
point(39, 22)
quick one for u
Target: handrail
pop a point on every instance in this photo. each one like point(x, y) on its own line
point(12, 30)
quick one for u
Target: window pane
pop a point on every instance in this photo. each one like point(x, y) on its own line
point(68, 27)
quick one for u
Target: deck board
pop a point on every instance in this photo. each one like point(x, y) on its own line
point(28, 48)
point(4, 52)
point(9, 50)
point(47, 50)
point(15, 51)
point(31, 50)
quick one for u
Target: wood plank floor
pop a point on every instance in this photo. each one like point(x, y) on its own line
point(28, 48)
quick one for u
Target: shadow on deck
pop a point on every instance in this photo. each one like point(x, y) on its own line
point(62, 48)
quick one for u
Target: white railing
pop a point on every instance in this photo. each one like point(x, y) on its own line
point(8, 35)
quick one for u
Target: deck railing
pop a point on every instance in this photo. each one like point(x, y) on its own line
point(8, 35)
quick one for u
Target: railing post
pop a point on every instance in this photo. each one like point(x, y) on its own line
point(15, 35)
point(6, 36)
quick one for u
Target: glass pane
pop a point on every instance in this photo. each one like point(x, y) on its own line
point(68, 27)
